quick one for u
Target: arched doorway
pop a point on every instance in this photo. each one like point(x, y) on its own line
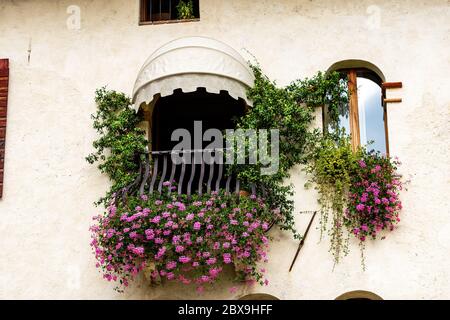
point(192, 80)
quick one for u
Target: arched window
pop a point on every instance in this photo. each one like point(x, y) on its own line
point(365, 118)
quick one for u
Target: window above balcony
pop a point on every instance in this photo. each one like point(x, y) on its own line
point(168, 11)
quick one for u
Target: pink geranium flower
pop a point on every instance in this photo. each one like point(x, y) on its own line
point(227, 258)
point(184, 259)
point(157, 232)
point(197, 225)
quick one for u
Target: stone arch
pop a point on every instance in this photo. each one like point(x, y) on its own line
point(357, 64)
point(258, 296)
point(359, 295)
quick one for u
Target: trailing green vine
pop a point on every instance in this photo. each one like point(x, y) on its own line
point(291, 111)
point(358, 191)
point(330, 166)
point(121, 142)
point(327, 90)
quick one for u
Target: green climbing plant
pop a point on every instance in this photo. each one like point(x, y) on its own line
point(120, 142)
point(358, 191)
point(290, 110)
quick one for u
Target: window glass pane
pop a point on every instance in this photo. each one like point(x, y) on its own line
point(371, 120)
point(344, 122)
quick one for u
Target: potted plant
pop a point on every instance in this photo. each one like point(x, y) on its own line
point(187, 241)
point(185, 10)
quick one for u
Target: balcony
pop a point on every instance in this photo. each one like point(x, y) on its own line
point(192, 175)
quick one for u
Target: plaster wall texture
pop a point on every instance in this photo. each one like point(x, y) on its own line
point(49, 188)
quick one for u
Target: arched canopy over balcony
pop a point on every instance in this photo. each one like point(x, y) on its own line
point(188, 64)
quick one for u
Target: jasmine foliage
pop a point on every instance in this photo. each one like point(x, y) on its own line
point(121, 142)
point(185, 9)
point(323, 90)
point(358, 191)
point(290, 110)
point(327, 157)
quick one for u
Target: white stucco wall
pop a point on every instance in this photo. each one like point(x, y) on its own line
point(49, 188)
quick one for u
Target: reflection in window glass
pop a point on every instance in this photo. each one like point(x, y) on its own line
point(344, 122)
point(371, 116)
point(370, 109)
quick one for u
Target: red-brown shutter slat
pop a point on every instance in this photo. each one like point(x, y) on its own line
point(4, 79)
point(391, 85)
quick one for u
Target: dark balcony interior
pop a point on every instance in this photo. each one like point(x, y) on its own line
point(179, 111)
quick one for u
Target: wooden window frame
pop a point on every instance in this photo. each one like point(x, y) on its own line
point(352, 82)
point(353, 108)
point(146, 10)
point(4, 83)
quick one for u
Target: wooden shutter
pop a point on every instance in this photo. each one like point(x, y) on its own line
point(4, 79)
